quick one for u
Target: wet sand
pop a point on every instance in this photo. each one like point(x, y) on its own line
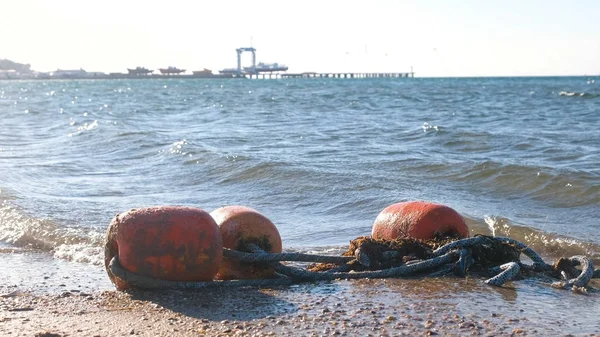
point(392, 307)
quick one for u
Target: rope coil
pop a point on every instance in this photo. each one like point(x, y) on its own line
point(508, 271)
point(587, 273)
point(455, 256)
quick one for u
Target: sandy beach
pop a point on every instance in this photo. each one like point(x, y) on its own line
point(392, 307)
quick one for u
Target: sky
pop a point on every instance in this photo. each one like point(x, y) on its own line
point(433, 37)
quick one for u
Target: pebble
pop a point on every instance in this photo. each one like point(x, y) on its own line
point(466, 325)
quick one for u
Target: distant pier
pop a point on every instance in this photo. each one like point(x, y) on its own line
point(208, 75)
point(254, 71)
point(275, 71)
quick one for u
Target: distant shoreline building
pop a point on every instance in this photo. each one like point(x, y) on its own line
point(59, 73)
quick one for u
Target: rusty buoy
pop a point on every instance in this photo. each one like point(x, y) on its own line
point(173, 243)
point(241, 225)
point(420, 220)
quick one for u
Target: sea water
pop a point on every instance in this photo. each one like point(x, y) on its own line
point(517, 157)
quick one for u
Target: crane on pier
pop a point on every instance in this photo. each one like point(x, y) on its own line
point(239, 58)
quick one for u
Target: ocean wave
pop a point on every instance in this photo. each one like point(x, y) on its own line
point(560, 188)
point(577, 94)
point(546, 244)
point(26, 232)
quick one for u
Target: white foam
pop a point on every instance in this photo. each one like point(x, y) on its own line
point(83, 253)
point(73, 244)
point(428, 127)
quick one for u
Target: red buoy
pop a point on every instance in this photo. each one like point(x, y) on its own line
point(173, 243)
point(419, 220)
point(241, 225)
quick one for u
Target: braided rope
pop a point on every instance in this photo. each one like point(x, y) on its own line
point(462, 243)
point(404, 270)
point(445, 270)
point(146, 282)
point(587, 272)
point(362, 258)
point(538, 262)
point(464, 262)
point(295, 274)
point(262, 256)
point(509, 271)
point(340, 268)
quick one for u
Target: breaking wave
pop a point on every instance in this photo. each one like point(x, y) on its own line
point(577, 94)
point(74, 244)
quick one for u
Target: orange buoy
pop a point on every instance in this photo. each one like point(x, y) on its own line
point(241, 225)
point(173, 243)
point(420, 220)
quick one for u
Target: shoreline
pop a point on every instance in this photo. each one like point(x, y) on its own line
point(127, 77)
point(423, 307)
